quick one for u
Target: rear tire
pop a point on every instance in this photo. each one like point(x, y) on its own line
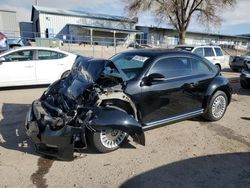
point(217, 106)
point(218, 67)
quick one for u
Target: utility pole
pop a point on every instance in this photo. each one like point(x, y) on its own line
point(36, 2)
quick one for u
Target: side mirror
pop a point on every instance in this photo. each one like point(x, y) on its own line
point(155, 77)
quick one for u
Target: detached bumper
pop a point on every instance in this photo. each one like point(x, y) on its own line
point(56, 143)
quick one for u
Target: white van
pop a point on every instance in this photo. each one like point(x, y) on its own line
point(213, 53)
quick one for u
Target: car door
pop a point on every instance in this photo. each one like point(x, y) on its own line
point(220, 56)
point(181, 91)
point(49, 65)
point(210, 55)
point(17, 68)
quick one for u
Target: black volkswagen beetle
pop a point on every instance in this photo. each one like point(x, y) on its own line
point(102, 102)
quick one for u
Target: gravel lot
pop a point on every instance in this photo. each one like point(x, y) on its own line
point(191, 153)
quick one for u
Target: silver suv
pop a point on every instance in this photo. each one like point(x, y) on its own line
point(212, 53)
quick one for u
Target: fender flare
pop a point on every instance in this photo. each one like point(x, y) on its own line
point(120, 96)
point(219, 83)
point(104, 118)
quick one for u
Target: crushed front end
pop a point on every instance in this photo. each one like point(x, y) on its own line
point(51, 135)
point(71, 108)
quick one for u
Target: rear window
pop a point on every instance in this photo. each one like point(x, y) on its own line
point(208, 52)
point(218, 51)
point(47, 55)
point(186, 48)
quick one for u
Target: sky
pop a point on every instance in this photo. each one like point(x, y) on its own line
point(235, 20)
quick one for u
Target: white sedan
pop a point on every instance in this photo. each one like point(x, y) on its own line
point(34, 65)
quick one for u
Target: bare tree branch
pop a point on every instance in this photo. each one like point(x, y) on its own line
point(179, 13)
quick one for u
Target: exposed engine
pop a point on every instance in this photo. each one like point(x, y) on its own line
point(74, 111)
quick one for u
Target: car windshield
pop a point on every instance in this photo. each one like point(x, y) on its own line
point(129, 65)
point(14, 41)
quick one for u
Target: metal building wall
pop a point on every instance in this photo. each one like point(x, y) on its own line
point(59, 23)
point(8, 23)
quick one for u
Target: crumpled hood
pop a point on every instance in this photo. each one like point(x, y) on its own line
point(84, 74)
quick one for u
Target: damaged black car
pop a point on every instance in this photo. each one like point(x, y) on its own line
point(102, 102)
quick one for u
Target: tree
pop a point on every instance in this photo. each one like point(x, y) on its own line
point(180, 12)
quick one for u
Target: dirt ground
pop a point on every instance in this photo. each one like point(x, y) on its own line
point(192, 153)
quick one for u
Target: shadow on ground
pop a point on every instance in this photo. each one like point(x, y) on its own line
point(222, 170)
point(24, 87)
point(12, 131)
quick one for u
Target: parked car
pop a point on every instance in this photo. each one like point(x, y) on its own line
point(34, 65)
point(212, 53)
point(3, 43)
point(138, 46)
point(15, 42)
point(237, 63)
point(245, 76)
point(101, 102)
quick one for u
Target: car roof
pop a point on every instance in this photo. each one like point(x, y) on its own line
point(195, 46)
point(153, 53)
point(34, 48)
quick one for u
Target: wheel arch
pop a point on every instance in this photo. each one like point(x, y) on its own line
point(218, 64)
point(218, 84)
point(122, 104)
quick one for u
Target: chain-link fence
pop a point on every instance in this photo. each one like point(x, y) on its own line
point(105, 47)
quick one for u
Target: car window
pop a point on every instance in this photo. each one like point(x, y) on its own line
point(199, 51)
point(218, 51)
point(186, 48)
point(47, 55)
point(199, 67)
point(179, 67)
point(208, 52)
point(22, 55)
point(130, 64)
point(172, 67)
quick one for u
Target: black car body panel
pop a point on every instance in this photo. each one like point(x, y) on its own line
point(128, 93)
point(245, 76)
point(218, 83)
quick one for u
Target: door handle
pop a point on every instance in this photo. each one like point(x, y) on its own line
point(190, 85)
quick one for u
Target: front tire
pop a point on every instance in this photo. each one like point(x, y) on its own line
point(217, 106)
point(109, 139)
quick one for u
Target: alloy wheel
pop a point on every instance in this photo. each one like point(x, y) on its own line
point(112, 138)
point(219, 106)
